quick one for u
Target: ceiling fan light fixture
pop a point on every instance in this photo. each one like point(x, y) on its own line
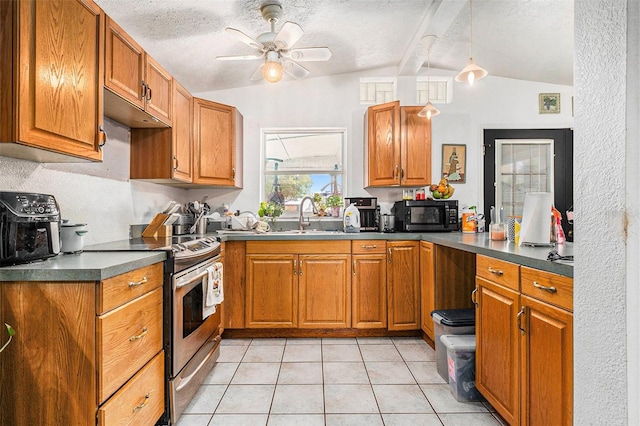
point(272, 69)
point(471, 73)
point(429, 111)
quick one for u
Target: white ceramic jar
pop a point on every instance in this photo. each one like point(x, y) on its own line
point(72, 237)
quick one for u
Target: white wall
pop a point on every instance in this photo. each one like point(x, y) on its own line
point(606, 294)
point(334, 102)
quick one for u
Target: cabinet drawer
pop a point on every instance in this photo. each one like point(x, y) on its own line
point(120, 289)
point(498, 271)
point(548, 287)
point(127, 338)
point(368, 246)
point(141, 399)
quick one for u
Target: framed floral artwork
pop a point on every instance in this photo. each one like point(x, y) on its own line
point(454, 161)
point(549, 103)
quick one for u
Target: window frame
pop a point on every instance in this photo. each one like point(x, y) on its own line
point(264, 132)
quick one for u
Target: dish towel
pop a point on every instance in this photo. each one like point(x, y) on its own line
point(212, 289)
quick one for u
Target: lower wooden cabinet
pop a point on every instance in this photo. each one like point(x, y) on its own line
point(403, 271)
point(369, 284)
point(84, 352)
point(298, 285)
point(524, 324)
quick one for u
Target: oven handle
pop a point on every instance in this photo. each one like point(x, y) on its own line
point(194, 278)
point(184, 382)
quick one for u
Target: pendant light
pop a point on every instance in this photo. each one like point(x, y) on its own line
point(429, 110)
point(471, 72)
point(272, 68)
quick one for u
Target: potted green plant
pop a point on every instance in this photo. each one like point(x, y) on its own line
point(270, 210)
point(334, 202)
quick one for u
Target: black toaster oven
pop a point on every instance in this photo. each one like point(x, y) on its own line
point(29, 227)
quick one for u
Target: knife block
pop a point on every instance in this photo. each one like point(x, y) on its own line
point(157, 228)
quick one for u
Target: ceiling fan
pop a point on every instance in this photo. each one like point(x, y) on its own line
point(276, 48)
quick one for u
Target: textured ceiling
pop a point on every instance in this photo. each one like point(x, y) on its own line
point(522, 39)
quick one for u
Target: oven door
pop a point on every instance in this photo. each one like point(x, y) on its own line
point(190, 331)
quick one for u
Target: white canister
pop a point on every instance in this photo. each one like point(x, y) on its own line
point(72, 237)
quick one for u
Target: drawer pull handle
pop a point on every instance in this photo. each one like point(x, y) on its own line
point(497, 272)
point(545, 288)
point(141, 406)
point(370, 247)
point(137, 283)
point(474, 297)
point(354, 267)
point(139, 336)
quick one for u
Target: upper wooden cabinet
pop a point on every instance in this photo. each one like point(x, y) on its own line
point(166, 155)
point(217, 144)
point(51, 102)
point(133, 76)
point(397, 146)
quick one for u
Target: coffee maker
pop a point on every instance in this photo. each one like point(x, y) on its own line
point(367, 208)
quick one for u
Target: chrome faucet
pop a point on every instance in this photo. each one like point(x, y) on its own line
point(301, 220)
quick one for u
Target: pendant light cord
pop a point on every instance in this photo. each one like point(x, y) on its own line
point(470, 27)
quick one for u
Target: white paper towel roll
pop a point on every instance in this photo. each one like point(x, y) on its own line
point(536, 218)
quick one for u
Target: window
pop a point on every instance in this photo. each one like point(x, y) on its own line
point(377, 90)
point(440, 90)
point(522, 165)
point(302, 162)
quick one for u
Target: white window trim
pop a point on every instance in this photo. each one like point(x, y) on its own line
point(387, 80)
point(270, 130)
point(445, 79)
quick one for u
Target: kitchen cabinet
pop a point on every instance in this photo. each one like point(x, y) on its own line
point(51, 107)
point(298, 285)
point(166, 155)
point(217, 144)
point(403, 285)
point(397, 146)
point(139, 91)
point(427, 287)
point(524, 324)
point(234, 285)
point(85, 351)
point(369, 284)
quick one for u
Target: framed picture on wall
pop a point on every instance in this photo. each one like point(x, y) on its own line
point(454, 162)
point(549, 103)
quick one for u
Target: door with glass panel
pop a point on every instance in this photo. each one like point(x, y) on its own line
point(532, 160)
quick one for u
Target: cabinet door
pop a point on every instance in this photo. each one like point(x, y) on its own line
point(159, 91)
point(233, 307)
point(547, 365)
point(272, 291)
point(415, 148)
point(403, 285)
point(60, 76)
point(124, 65)
point(382, 162)
point(369, 283)
point(497, 348)
point(427, 286)
point(182, 143)
point(325, 291)
point(215, 143)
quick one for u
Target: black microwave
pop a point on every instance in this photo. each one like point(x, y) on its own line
point(426, 215)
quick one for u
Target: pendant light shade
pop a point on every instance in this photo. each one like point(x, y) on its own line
point(429, 110)
point(471, 72)
point(272, 68)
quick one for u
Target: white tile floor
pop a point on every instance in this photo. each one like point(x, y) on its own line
point(345, 381)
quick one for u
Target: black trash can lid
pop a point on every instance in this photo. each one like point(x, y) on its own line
point(455, 317)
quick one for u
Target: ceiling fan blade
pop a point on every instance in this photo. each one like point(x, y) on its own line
point(239, 57)
point(295, 70)
point(245, 38)
point(310, 54)
point(288, 35)
point(257, 74)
